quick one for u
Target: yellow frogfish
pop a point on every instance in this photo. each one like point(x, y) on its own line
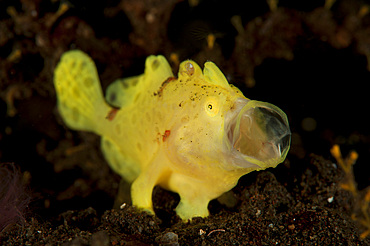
point(195, 135)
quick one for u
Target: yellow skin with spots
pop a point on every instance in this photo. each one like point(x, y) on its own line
point(195, 135)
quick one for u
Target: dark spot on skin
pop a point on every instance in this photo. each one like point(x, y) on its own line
point(155, 65)
point(113, 97)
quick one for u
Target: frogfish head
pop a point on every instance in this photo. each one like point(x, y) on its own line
point(224, 130)
point(257, 135)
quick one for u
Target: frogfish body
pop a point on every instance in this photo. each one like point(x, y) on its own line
point(195, 134)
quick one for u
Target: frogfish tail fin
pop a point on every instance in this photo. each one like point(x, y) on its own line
point(79, 94)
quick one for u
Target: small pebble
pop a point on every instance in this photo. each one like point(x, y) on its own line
point(291, 227)
point(100, 238)
point(168, 239)
point(330, 199)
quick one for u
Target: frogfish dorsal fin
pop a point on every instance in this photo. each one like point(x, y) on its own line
point(124, 92)
point(214, 75)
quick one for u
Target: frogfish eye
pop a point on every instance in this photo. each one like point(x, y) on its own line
point(211, 107)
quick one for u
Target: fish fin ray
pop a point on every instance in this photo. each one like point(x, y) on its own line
point(122, 164)
point(79, 95)
point(124, 92)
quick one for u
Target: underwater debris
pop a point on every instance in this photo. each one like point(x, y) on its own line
point(346, 164)
point(13, 197)
point(13, 93)
point(149, 32)
point(273, 4)
point(361, 213)
point(329, 3)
